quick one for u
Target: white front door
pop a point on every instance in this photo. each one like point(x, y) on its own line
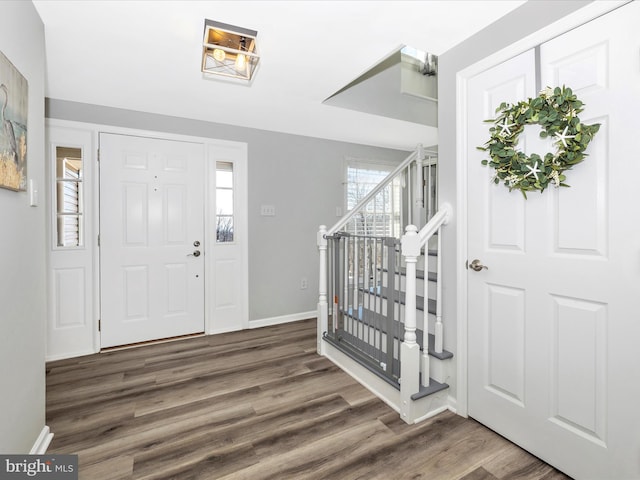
point(554, 322)
point(151, 238)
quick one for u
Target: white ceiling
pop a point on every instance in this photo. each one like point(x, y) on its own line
point(145, 56)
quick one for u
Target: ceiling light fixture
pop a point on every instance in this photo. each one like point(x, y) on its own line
point(229, 51)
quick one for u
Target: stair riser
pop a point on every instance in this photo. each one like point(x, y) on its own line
point(380, 306)
point(439, 369)
point(419, 285)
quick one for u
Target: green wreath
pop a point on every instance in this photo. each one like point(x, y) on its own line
point(556, 111)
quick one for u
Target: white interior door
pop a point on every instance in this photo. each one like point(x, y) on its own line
point(553, 322)
point(151, 238)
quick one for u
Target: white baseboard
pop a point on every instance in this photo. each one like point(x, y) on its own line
point(64, 356)
point(453, 406)
point(42, 442)
point(433, 412)
point(217, 331)
point(370, 381)
point(294, 317)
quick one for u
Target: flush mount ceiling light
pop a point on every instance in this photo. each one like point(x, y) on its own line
point(229, 51)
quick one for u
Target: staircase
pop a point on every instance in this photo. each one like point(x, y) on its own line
point(379, 309)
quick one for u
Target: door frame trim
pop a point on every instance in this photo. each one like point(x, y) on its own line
point(242, 147)
point(584, 15)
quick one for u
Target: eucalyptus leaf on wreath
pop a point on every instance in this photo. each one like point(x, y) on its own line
point(556, 111)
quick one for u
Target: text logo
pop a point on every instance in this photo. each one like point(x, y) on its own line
point(50, 467)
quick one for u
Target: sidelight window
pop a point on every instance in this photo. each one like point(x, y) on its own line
point(69, 197)
point(224, 202)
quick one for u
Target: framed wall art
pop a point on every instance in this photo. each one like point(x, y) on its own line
point(14, 106)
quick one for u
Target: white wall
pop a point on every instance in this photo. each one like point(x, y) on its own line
point(22, 251)
point(300, 176)
point(518, 24)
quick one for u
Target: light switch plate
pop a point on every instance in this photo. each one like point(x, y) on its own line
point(268, 210)
point(33, 193)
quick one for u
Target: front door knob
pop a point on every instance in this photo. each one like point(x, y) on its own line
point(477, 266)
point(196, 253)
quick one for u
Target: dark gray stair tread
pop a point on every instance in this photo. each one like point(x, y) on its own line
point(384, 293)
point(432, 276)
point(433, 387)
point(444, 355)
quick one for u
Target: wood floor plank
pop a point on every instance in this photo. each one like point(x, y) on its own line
point(255, 404)
point(479, 474)
point(116, 468)
point(313, 458)
point(515, 463)
point(242, 434)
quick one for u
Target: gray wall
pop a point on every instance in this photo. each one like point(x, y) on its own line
point(525, 20)
point(22, 251)
point(301, 176)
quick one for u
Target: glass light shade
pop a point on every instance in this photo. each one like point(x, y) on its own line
point(219, 55)
point(241, 63)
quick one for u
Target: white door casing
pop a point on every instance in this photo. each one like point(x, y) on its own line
point(553, 321)
point(151, 216)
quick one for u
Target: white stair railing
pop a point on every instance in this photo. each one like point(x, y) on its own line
point(416, 176)
point(367, 207)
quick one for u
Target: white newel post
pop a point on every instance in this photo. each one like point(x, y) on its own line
point(323, 307)
point(410, 350)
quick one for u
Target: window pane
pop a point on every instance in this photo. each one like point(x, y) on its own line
point(68, 162)
point(69, 195)
point(381, 215)
point(224, 228)
point(224, 179)
point(224, 202)
point(69, 231)
point(224, 174)
point(360, 181)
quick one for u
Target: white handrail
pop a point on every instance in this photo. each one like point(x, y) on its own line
point(441, 217)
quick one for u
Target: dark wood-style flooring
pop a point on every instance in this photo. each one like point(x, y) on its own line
point(258, 404)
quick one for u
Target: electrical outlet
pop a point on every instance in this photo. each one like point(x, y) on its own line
point(304, 284)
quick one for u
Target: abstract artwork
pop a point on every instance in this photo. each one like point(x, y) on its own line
point(14, 105)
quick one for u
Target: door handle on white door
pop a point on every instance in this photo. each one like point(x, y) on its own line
point(477, 266)
point(196, 253)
